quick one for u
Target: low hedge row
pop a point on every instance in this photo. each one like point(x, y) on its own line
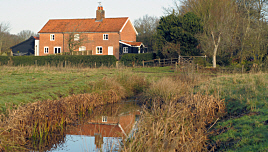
point(85, 60)
point(129, 59)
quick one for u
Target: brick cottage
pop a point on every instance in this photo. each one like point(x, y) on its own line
point(104, 36)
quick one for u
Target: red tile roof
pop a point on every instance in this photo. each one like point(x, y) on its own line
point(84, 25)
point(132, 43)
point(36, 38)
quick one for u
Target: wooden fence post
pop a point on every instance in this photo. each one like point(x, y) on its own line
point(36, 63)
point(171, 61)
point(159, 61)
point(117, 64)
point(176, 66)
point(143, 63)
point(179, 59)
point(242, 69)
point(197, 68)
point(95, 65)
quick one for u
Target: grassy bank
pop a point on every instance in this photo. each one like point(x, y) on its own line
point(175, 119)
point(244, 128)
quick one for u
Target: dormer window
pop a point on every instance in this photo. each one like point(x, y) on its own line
point(105, 36)
point(76, 37)
point(52, 37)
point(104, 118)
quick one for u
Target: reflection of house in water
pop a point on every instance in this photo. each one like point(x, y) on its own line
point(113, 127)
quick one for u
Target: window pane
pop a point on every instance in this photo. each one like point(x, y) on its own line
point(105, 36)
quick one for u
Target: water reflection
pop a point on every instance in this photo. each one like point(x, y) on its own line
point(103, 130)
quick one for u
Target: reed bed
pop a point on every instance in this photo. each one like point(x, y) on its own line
point(174, 119)
point(41, 120)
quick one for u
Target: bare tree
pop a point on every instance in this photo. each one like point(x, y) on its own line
point(4, 30)
point(239, 26)
point(75, 40)
point(25, 34)
point(146, 28)
point(216, 45)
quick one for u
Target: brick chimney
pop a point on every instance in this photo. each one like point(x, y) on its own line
point(100, 13)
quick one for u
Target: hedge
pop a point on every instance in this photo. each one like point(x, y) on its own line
point(84, 60)
point(4, 60)
point(129, 59)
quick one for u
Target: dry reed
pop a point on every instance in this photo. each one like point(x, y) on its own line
point(174, 120)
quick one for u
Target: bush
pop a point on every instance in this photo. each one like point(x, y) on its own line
point(4, 60)
point(129, 59)
point(84, 60)
point(201, 61)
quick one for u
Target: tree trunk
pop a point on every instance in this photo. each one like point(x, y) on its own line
point(214, 56)
point(216, 45)
point(0, 48)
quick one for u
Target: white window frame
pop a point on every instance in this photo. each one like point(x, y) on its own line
point(57, 48)
point(52, 37)
point(125, 49)
point(76, 37)
point(104, 118)
point(97, 48)
point(105, 37)
point(82, 48)
point(46, 50)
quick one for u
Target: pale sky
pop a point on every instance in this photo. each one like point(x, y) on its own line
point(33, 14)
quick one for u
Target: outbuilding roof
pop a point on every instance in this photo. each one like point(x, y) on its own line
point(85, 25)
point(138, 44)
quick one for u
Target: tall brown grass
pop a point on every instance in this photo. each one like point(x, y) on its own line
point(41, 120)
point(174, 119)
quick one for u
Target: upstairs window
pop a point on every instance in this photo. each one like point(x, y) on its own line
point(104, 118)
point(125, 49)
point(46, 50)
point(76, 37)
point(52, 37)
point(99, 50)
point(82, 48)
point(105, 36)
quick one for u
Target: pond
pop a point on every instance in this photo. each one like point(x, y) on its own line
point(103, 130)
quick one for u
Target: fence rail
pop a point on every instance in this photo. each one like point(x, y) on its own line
point(166, 62)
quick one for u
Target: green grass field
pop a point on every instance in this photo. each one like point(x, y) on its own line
point(28, 84)
point(245, 126)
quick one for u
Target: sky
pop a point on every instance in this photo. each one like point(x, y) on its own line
point(33, 14)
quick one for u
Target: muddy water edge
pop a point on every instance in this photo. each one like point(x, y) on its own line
point(101, 130)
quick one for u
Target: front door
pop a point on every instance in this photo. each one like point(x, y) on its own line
point(110, 50)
